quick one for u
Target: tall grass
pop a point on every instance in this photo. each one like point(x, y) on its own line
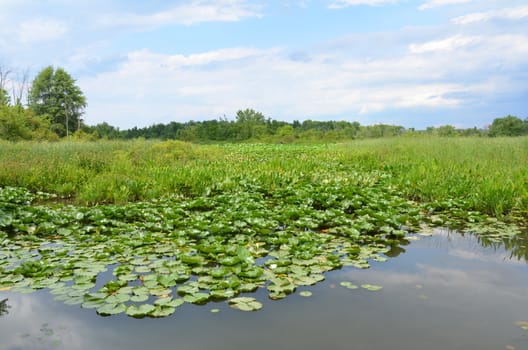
point(489, 174)
point(484, 174)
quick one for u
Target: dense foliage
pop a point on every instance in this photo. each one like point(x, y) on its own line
point(250, 125)
point(18, 123)
point(485, 174)
point(53, 93)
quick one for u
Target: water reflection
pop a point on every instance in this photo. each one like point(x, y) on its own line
point(448, 291)
point(517, 246)
point(4, 307)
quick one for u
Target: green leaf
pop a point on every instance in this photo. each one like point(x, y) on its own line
point(348, 285)
point(140, 311)
point(197, 298)
point(162, 311)
point(111, 309)
point(245, 304)
point(139, 298)
point(371, 287)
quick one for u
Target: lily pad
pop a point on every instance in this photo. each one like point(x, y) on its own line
point(111, 309)
point(522, 324)
point(140, 311)
point(139, 298)
point(371, 287)
point(245, 304)
point(197, 298)
point(162, 311)
point(348, 285)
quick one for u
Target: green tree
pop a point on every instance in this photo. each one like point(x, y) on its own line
point(250, 123)
point(17, 123)
point(105, 130)
point(508, 126)
point(54, 93)
point(4, 97)
point(446, 130)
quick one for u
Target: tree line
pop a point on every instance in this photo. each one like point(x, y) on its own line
point(55, 105)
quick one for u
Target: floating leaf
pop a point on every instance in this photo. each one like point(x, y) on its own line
point(245, 304)
point(140, 311)
point(371, 287)
point(305, 293)
point(522, 324)
point(196, 298)
point(139, 298)
point(162, 311)
point(348, 285)
point(111, 309)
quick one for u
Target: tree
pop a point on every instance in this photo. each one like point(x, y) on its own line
point(4, 78)
point(17, 123)
point(53, 92)
point(4, 97)
point(250, 123)
point(508, 126)
point(446, 130)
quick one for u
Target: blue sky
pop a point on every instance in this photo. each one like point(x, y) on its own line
point(415, 63)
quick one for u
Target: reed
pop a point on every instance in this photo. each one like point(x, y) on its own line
point(485, 174)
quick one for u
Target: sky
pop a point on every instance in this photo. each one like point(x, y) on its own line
point(415, 63)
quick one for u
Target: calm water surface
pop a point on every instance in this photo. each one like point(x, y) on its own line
point(441, 292)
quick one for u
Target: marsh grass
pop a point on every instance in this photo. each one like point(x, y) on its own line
point(485, 174)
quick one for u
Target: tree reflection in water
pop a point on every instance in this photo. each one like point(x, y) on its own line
point(4, 307)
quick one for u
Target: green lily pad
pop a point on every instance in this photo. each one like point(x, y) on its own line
point(111, 309)
point(169, 302)
point(140, 311)
point(348, 285)
point(117, 298)
point(245, 304)
point(162, 311)
point(220, 294)
point(197, 298)
point(139, 298)
point(160, 291)
point(305, 293)
point(371, 287)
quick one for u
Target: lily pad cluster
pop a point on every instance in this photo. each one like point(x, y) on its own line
point(149, 258)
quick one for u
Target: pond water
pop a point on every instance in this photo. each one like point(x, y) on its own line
point(447, 291)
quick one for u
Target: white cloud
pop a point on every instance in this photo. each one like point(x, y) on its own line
point(346, 3)
point(437, 3)
point(512, 13)
point(40, 29)
point(187, 14)
point(438, 74)
point(448, 44)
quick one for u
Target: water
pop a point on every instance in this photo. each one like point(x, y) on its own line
point(444, 292)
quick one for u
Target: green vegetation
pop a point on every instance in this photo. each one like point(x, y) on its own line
point(53, 93)
point(484, 174)
point(143, 227)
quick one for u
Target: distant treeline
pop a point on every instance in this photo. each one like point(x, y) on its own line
point(55, 106)
point(250, 125)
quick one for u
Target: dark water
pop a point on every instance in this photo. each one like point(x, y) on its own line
point(443, 292)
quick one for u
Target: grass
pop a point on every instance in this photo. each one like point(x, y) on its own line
point(488, 174)
point(484, 174)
